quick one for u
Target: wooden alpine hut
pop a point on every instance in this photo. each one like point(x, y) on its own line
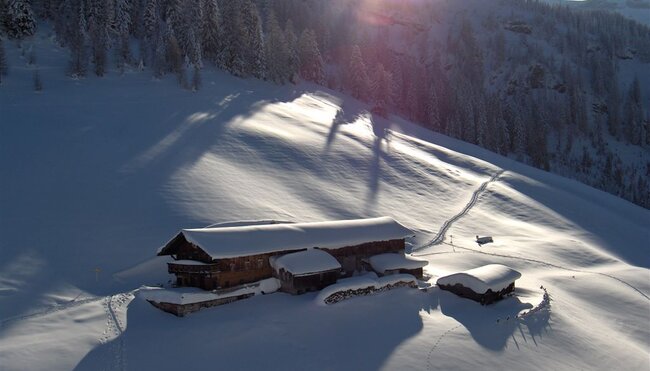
point(485, 284)
point(222, 257)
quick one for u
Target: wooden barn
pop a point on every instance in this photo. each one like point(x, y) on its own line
point(391, 263)
point(217, 258)
point(485, 284)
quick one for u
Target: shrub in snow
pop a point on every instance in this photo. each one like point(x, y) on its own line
point(38, 83)
point(196, 79)
point(4, 67)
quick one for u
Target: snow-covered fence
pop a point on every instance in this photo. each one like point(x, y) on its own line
point(363, 286)
point(543, 305)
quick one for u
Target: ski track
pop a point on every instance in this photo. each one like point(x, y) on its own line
point(114, 330)
point(114, 326)
point(435, 345)
point(440, 237)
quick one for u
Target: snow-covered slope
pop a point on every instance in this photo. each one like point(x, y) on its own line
point(98, 173)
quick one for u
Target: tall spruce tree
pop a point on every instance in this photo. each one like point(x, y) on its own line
point(4, 67)
point(292, 50)
point(358, 75)
point(122, 25)
point(277, 51)
point(311, 62)
point(252, 41)
point(211, 30)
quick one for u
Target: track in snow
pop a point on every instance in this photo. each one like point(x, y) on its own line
point(440, 237)
point(115, 327)
point(52, 309)
point(468, 250)
point(435, 345)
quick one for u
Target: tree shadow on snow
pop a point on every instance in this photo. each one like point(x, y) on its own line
point(489, 325)
point(277, 331)
point(344, 115)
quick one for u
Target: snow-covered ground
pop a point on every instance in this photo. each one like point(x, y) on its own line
point(98, 173)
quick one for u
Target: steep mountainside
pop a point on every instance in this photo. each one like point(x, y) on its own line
point(97, 173)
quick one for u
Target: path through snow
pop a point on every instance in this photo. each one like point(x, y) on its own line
point(440, 237)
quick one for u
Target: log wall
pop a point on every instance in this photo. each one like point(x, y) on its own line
point(181, 310)
point(487, 298)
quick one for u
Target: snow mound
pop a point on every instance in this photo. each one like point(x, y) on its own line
point(495, 277)
point(232, 242)
point(391, 261)
point(306, 262)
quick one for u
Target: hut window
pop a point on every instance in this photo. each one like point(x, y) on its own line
point(232, 267)
point(260, 263)
point(247, 265)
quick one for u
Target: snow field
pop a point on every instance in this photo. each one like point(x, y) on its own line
point(103, 171)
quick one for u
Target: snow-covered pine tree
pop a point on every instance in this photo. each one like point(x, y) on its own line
point(19, 19)
point(277, 51)
point(122, 24)
point(159, 52)
point(433, 110)
point(382, 85)
point(151, 19)
point(613, 111)
point(174, 57)
point(4, 67)
point(78, 41)
point(188, 29)
point(230, 58)
point(211, 30)
point(196, 78)
point(252, 41)
point(634, 114)
point(311, 62)
point(292, 49)
point(358, 75)
point(98, 32)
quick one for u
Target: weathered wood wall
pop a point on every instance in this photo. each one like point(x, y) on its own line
point(245, 269)
point(312, 282)
point(488, 298)
point(351, 257)
point(183, 309)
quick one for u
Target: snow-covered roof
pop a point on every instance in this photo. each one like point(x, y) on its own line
point(232, 242)
point(305, 262)
point(187, 262)
point(495, 277)
point(392, 261)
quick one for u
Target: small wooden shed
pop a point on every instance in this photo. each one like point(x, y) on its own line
point(485, 284)
point(303, 271)
point(392, 263)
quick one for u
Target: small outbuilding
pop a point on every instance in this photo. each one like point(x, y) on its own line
point(392, 263)
point(308, 270)
point(485, 284)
